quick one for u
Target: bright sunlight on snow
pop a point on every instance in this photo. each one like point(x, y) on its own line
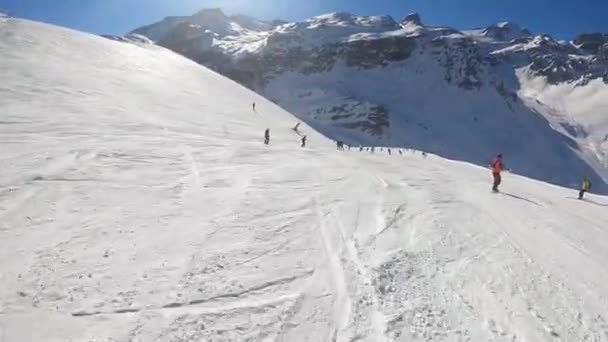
point(138, 202)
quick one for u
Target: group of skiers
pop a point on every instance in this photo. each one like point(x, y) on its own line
point(372, 149)
point(302, 139)
point(498, 166)
point(295, 129)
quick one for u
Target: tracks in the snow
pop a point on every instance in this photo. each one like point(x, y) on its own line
point(344, 227)
point(240, 295)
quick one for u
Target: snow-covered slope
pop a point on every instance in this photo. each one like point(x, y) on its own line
point(464, 95)
point(138, 203)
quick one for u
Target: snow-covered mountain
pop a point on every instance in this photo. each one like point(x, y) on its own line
point(465, 95)
point(500, 32)
point(138, 203)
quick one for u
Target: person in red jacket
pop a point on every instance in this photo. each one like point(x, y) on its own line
point(497, 167)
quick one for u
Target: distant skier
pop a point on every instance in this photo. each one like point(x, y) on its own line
point(400, 152)
point(296, 127)
point(497, 167)
point(585, 187)
point(253, 106)
point(389, 151)
point(340, 145)
point(424, 154)
point(304, 141)
point(267, 136)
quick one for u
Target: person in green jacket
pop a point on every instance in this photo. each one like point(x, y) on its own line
point(584, 187)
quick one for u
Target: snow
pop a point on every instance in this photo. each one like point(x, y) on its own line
point(137, 203)
point(335, 28)
point(347, 19)
point(583, 106)
point(212, 20)
point(467, 125)
point(500, 32)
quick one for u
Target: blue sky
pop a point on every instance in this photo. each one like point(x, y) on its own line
point(561, 18)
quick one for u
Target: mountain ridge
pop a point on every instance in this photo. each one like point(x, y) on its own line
point(361, 79)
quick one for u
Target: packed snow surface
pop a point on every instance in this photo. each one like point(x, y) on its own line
point(138, 203)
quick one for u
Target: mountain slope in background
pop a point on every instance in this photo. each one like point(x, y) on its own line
point(465, 95)
point(139, 203)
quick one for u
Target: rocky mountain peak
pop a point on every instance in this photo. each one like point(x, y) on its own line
point(413, 18)
point(210, 13)
point(591, 42)
point(505, 31)
point(348, 19)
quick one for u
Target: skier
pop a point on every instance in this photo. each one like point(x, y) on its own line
point(304, 141)
point(295, 129)
point(267, 136)
point(340, 145)
point(424, 154)
point(253, 106)
point(584, 187)
point(497, 167)
point(389, 151)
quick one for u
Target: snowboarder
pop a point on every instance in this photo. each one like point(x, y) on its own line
point(304, 141)
point(497, 167)
point(267, 136)
point(584, 187)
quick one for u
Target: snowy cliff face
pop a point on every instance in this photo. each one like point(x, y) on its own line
point(463, 94)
